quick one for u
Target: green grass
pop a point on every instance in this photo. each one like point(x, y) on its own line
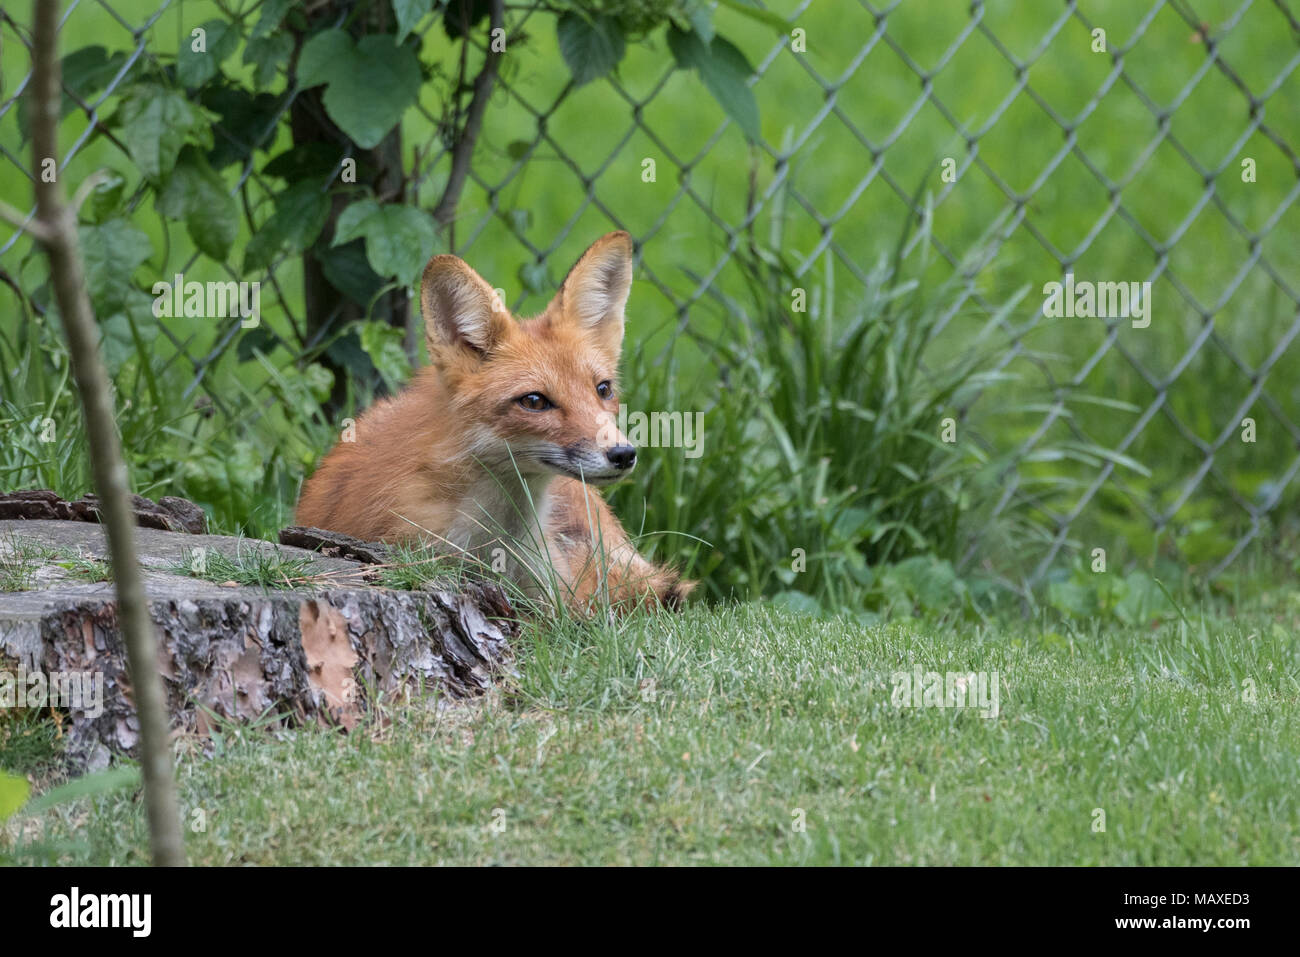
point(258, 565)
point(699, 738)
point(415, 564)
point(20, 559)
point(86, 568)
point(30, 745)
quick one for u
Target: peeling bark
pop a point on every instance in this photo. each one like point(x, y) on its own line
point(325, 656)
point(334, 544)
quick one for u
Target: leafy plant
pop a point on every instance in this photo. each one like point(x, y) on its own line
point(832, 430)
point(1134, 597)
point(201, 134)
point(593, 38)
point(16, 800)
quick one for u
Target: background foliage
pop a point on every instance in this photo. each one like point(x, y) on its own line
point(775, 170)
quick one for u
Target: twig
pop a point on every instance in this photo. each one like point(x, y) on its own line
point(19, 221)
point(83, 191)
point(467, 136)
point(58, 232)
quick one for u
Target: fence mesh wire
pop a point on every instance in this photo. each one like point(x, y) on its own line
point(1145, 141)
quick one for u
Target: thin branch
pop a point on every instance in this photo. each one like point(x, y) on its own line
point(58, 231)
point(467, 136)
point(21, 222)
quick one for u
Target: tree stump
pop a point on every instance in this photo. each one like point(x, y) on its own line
point(325, 650)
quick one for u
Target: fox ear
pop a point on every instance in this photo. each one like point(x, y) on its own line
point(460, 308)
point(595, 291)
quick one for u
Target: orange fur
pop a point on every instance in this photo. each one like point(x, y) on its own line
point(458, 459)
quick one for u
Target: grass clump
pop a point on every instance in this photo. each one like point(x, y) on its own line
point(413, 565)
point(85, 568)
point(20, 559)
point(263, 567)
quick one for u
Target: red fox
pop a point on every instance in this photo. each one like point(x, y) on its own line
point(494, 448)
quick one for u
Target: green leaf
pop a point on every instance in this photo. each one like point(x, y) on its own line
point(273, 12)
point(725, 73)
point(854, 524)
point(318, 380)
point(347, 270)
point(591, 47)
point(688, 50)
point(111, 253)
point(197, 195)
point(322, 55)
point(369, 98)
point(747, 9)
point(258, 339)
point(1073, 599)
point(724, 70)
point(399, 239)
point(106, 197)
point(929, 582)
point(155, 123)
point(247, 121)
point(300, 214)
point(85, 73)
point(345, 352)
point(797, 603)
point(408, 13)
point(268, 53)
point(370, 84)
point(383, 344)
point(88, 71)
point(194, 67)
point(534, 276)
point(700, 15)
point(479, 10)
point(1145, 600)
point(14, 791)
point(404, 243)
point(352, 219)
point(101, 782)
point(128, 333)
point(310, 160)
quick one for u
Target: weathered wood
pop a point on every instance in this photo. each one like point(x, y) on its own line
point(335, 544)
point(324, 653)
point(169, 513)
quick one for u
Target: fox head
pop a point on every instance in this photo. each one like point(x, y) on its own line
point(540, 393)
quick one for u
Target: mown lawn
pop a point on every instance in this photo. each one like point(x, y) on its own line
point(701, 738)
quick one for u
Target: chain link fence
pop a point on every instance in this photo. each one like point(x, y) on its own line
point(1152, 143)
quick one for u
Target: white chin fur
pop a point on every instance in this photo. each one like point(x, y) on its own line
point(594, 478)
point(603, 477)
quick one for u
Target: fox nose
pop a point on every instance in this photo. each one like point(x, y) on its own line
point(621, 456)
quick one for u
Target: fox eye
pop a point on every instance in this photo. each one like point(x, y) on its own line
point(535, 402)
point(605, 390)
